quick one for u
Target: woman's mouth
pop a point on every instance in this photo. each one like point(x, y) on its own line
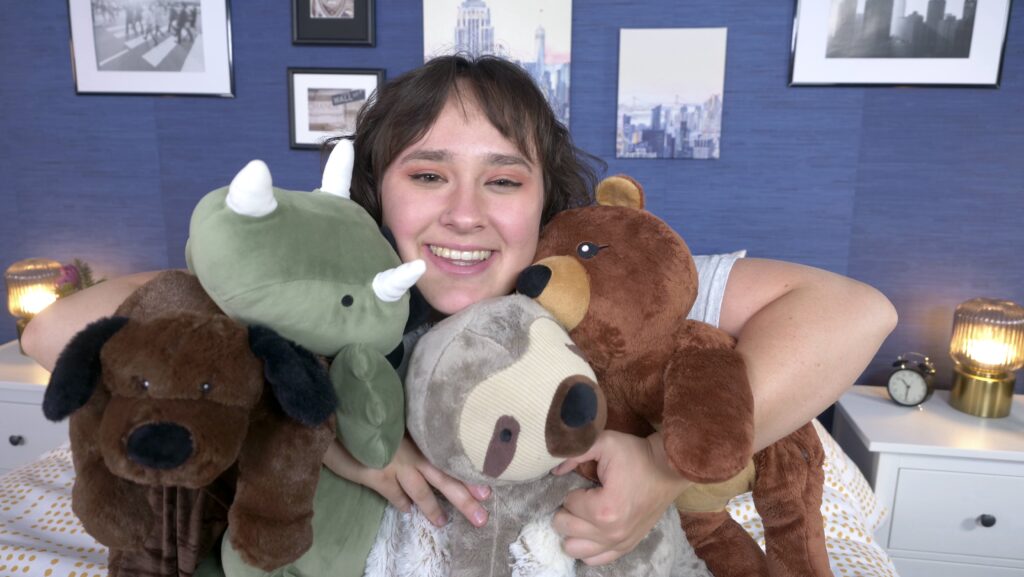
point(456, 257)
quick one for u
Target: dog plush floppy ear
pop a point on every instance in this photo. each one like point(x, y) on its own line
point(298, 379)
point(78, 368)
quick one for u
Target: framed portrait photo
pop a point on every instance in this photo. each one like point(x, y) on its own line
point(899, 42)
point(333, 22)
point(324, 102)
point(151, 47)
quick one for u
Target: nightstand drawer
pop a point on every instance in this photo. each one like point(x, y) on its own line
point(25, 434)
point(939, 512)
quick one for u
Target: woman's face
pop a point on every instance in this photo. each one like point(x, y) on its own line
point(468, 202)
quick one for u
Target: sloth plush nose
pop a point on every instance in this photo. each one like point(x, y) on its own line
point(577, 414)
point(160, 445)
point(533, 280)
point(579, 408)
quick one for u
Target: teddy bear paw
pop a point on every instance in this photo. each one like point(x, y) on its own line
point(537, 552)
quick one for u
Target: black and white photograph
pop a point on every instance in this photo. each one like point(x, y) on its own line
point(535, 34)
point(323, 102)
point(333, 22)
point(151, 46)
point(901, 29)
point(670, 107)
point(332, 9)
point(940, 42)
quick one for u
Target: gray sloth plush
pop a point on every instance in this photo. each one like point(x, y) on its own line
point(499, 395)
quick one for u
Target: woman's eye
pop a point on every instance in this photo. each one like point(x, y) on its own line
point(427, 177)
point(505, 182)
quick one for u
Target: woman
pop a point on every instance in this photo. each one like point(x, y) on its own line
point(464, 161)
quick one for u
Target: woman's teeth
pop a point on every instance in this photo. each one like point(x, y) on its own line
point(460, 257)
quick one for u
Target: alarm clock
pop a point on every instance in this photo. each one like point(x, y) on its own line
point(912, 380)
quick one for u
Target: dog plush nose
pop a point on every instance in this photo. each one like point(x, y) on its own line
point(160, 445)
point(533, 280)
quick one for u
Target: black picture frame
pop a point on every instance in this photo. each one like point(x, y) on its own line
point(359, 29)
point(348, 88)
point(115, 50)
point(869, 59)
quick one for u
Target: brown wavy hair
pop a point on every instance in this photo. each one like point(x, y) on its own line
point(401, 112)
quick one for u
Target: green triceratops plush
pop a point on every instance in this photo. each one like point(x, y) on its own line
point(315, 267)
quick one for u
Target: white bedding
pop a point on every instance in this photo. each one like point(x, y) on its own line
point(40, 536)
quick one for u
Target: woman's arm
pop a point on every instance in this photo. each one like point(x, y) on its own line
point(49, 331)
point(805, 335)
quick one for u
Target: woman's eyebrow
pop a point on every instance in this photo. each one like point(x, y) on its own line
point(427, 154)
point(508, 160)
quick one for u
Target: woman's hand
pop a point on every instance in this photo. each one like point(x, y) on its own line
point(409, 479)
point(600, 525)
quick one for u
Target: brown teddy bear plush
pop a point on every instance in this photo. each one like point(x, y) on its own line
point(178, 413)
point(622, 282)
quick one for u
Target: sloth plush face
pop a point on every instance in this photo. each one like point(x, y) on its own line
point(499, 394)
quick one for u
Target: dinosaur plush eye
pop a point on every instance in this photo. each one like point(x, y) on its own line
point(347, 300)
point(587, 250)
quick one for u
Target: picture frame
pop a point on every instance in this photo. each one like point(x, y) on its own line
point(333, 22)
point(899, 42)
point(324, 102)
point(152, 47)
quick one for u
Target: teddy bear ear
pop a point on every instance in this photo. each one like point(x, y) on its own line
point(297, 379)
point(620, 190)
point(78, 368)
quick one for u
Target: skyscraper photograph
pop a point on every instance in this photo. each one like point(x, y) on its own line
point(670, 107)
point(536, 34)
point(901, 28)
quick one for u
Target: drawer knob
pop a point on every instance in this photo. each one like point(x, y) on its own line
point(987, 520)
point(16, 440)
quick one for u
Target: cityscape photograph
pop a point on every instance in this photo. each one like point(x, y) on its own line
point(670, 106)
point(535, 34)
point(901, 28)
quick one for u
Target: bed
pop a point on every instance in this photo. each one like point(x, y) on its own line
point(40, 536)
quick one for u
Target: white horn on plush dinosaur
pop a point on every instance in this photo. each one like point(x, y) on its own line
point(251, 192)
point(338, 171)
point(390, 285)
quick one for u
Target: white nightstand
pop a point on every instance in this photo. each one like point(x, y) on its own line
point(938, 471)
point(24, 431)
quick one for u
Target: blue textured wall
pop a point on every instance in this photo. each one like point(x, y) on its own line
point(918, 191)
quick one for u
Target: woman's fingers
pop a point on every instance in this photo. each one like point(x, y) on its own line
point(458, 494)
point(417, 488)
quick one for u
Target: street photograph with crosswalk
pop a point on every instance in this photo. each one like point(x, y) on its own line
point(148, 35)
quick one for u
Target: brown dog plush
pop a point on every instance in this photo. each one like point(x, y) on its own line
point(622, 282)
point(177, 413)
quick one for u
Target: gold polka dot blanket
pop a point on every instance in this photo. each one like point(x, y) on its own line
point(41, 537)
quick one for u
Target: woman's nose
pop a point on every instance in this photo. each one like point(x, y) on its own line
point(465, 211)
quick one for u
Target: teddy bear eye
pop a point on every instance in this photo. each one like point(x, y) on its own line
point(140, 383)
point(205, 388)
point(587, 250)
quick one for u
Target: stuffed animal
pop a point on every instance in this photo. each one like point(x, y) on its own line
point(622, 282)
point(173, 403)
point(315, 267)
point(498, 394)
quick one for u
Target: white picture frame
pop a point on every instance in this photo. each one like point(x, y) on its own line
point(151, 47)
point(881, 56)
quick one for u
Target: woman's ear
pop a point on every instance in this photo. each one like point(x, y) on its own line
point(297, 378)
point(78, 368)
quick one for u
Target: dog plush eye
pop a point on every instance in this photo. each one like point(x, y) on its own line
point(588, 250)
point(140, 383)
point(205, 388)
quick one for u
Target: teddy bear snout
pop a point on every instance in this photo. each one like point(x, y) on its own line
point(533, 280)
point(578, 413)
point(160, 446)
